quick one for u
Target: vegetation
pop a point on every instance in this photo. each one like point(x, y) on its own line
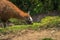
point(17, 21)
point(47, 39)
point(37, 6)
point(16, 28)
point(49, 21)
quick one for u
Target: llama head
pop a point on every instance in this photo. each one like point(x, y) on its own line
point(29, 19)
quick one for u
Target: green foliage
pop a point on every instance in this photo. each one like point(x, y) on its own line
point(13, 29)
point(37, 6)
point(59, 5)
point(47, 39)
point(17, 22)
point(17, 28)
point(51, 21)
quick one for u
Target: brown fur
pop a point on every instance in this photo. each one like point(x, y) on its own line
point(9, 10)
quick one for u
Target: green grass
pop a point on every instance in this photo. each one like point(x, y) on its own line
point(47, 39)
point(19, 27)
point(49, 21)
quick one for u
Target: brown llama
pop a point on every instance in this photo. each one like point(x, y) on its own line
point(9, 10)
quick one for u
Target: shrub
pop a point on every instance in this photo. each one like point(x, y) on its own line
point(51, 21)
point(35, 6)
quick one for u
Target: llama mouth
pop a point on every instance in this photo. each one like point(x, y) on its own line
point(29, 22)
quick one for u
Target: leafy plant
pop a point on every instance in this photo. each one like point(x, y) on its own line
point(37, 6)
point(51, 21)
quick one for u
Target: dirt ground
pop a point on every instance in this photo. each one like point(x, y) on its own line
point(32, 35)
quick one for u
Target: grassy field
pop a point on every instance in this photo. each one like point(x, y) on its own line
point(19, 27)
point(46, 22)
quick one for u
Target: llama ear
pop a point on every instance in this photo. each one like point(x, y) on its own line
point(28, 12)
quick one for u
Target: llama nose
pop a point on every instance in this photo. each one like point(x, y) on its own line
point(30, 22)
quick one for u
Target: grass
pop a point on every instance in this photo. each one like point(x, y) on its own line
point(47, 39)
point(19, 27)
point(45, 22)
